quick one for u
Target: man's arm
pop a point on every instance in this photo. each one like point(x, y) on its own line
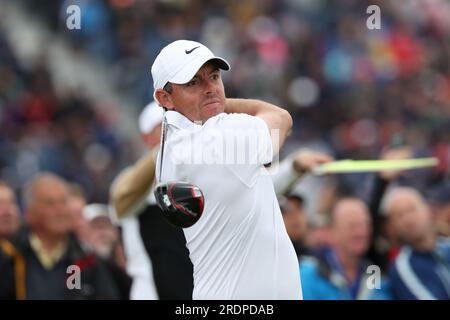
point(294, 166)
point(130, 189)
point(277, 119)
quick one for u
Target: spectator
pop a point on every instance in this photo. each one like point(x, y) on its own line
point(339, 272)
point(440, 206)
point(384, 248)
point(422, 269)
point(319, 232)
point(89, 232)
point(103, 235)
point(104, 239)
point(76, 203)
point(296, 222)
point(284, 177)
point(9, 212)
point(34, 264)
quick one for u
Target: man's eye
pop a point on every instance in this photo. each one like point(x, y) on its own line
point(215, 76)
point(192, 83)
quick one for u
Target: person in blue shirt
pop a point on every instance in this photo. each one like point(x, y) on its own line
point(340, 272)
point(421, 271)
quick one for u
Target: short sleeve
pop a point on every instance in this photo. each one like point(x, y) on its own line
point(250, 137)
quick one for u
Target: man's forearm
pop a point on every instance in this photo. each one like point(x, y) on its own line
point(275, 117)
point(284, 176)
point(133, 184)
point(248, 106)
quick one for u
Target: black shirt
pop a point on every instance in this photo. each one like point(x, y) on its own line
point(166, 247)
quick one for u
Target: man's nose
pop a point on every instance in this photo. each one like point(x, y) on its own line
point(209, 87)
point(61, 206)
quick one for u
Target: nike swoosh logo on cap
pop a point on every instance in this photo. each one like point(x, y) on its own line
point(189, 51)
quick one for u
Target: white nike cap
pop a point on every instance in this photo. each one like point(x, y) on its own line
point(180, 60)
point(150, 117)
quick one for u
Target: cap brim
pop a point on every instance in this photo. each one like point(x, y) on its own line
point(189, 71)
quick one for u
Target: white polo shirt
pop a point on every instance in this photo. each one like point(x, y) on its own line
point(239, 248)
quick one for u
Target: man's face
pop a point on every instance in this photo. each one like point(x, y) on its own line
point(9, 214)
point(409, 217)
point(351, 228)
point(319, 236)
point(295, 220)
point(202, 97)
point(49, 212)
point(103, 236)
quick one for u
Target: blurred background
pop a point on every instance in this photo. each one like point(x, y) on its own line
point(70, 99)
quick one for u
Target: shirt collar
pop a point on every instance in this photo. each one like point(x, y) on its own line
point(180, 121)
point(46, 258)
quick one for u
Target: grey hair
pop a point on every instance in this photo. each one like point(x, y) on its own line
point(332, 217)
point(386, 202)
point(28, 193)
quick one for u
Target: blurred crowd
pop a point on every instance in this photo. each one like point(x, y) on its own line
point(353, 93)
point(41, 131)
point(314, 58)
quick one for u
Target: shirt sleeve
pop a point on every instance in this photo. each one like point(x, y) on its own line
point(284, 175)
point(251, 137)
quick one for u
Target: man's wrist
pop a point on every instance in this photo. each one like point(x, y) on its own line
point(298, 167)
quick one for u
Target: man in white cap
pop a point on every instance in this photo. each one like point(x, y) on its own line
point(103, 234)
point(239, 247)
point(150, 124)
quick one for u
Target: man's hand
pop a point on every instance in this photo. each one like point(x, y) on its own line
point(306, 160)
point(394, 154)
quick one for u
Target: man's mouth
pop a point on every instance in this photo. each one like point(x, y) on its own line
point(5, 219)
point(211, 102)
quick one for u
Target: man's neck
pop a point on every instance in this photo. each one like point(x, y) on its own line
point(50, 242)
point(349, 264)
point(426, 243)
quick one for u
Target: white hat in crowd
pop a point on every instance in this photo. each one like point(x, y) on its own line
point(150, 117)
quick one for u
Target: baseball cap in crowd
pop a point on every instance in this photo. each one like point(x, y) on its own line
point(283, 201)
point(150, 117)
point(96, 210)
point(180, 60)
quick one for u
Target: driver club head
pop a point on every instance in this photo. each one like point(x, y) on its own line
point(182, 203)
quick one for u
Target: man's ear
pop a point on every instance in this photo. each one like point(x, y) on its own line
point(164, 99)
